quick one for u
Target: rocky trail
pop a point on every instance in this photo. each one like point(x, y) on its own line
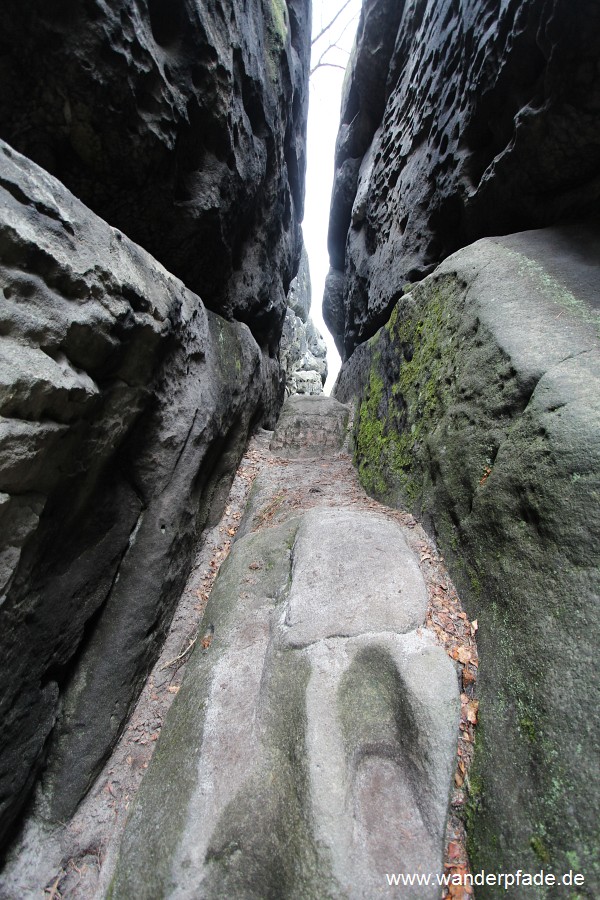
point(320, 687)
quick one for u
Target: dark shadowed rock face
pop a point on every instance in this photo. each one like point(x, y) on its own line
point(482, 119)
point(181, 123)
point(124, 408)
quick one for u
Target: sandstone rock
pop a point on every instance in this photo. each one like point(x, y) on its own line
point(301, 768)
point(182, 124)
point(478, 406)
point(302, 353)
point(310, 426)
point(466, 121)
point(300, 293)
point(318, 603)
point(125, 407)
point(344, 192)
point(333, 307)
point(303, 356)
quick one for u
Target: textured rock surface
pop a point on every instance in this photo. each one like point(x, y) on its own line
point(125, 407)
point(458, 121)
point(479, 405)
point(302, 351)
point(310, 426)
point(181, 123)
point(304, 751)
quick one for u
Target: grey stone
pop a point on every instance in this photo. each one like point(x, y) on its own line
point(376, 584)
point(45, 388)
point(310, 426)
point(302, 350)
point(303, 356)
point(470, 120)
point(300, 293)
point(19, 517)
point(298, 772)
point(478, 406)
point(333, 307)
point(183, 125)
point(344, 192)
point(125, 408)
point(24, 450)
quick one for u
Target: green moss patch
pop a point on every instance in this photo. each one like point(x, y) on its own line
point(412, 373)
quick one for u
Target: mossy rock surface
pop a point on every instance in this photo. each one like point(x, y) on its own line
point(478, 407)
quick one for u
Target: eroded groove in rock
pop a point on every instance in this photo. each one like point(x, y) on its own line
point(118, 391)
point(314, 737)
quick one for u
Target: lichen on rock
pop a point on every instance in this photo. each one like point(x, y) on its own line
point(480, 412)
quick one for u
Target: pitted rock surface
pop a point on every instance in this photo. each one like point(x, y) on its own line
point(302, 766)
point(458, 121)
point(182, 124)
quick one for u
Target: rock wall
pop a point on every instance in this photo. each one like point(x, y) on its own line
point(476, 387)
point(180, 123)
point(459, 120)
point(478, 408)
point(125, 403)
point(302, 351)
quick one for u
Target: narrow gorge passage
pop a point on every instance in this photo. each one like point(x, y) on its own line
point(313, 743)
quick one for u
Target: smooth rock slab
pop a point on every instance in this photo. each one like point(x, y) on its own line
point(301, 771)
point(353, 572)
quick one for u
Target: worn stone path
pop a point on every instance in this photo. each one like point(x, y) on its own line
point(312, 748)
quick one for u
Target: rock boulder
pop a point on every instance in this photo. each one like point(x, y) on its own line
point(458, 121)
point(478, 406)
point(124, 409)
point(180, 123)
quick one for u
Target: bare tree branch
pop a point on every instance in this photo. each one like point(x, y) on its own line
point(326, 28)
point(323, 65)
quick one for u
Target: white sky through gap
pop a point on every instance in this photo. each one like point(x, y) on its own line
point(323, 123)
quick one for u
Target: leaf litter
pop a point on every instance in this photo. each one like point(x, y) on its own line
point(100, 820)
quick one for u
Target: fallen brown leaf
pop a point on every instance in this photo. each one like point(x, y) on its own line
point(454, 851)
point(472, 710)
point(467, 677)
